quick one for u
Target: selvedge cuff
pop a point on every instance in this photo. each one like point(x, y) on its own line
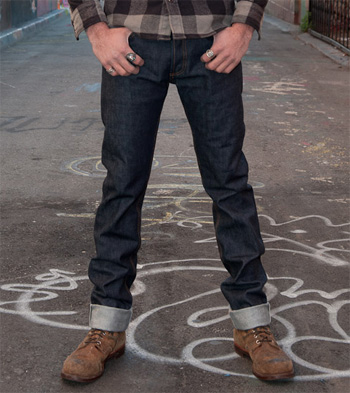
point(109, 318)
point(251, 317)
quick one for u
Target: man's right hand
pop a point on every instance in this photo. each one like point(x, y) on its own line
point(110, 46)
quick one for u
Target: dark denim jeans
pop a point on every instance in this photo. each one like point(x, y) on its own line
point(131, 108)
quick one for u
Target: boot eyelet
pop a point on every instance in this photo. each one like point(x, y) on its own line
point(258, 342)
point(98, 342)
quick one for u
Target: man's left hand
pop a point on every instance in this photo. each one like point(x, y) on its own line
point(229, 46)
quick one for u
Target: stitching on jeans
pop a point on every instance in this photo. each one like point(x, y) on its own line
point(184, 60)
point(172, 73)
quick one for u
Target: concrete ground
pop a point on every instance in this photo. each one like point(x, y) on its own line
point(180, 340)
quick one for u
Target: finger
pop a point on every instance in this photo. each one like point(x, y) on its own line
point(122, 67)
point(221, 68)
point(217, 62)
point(111, 70)
point(127, 65)
point(230, 68)
point(138, 61)
point(134, 61)
point(209, 55)
point(225, 67)
point(119, 70)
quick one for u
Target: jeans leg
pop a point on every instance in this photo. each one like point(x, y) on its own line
point(213, 104)
point(131, 108)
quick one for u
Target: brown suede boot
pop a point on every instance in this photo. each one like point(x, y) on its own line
point(87, 362)
point(269, 361)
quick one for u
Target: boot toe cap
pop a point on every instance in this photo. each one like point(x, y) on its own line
point(81, 370)
point(274, 369)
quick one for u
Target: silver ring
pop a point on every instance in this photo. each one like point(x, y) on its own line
point(131, 57)
point(209, 53)
point(111, 70)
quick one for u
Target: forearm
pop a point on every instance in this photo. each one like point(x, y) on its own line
point(96, 31)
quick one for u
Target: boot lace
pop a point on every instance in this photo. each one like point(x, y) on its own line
point(262, 334)
point(95, 336)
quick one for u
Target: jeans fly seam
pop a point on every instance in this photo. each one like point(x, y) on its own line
point(184, 61)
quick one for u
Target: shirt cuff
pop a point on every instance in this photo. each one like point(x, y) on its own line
point(250, 13)
point(85, 15)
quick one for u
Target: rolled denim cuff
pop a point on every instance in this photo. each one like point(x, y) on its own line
point(251, 317)
point(109, 318)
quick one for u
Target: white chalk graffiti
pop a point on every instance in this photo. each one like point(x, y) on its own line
point(283, 87)
point(203, 317)
point(49, 284)
point(321, 252)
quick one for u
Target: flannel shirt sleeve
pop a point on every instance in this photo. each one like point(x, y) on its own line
point(250, 12)
point(85, 13)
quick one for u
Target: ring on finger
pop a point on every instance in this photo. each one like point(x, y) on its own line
point(111, 70)
point(209, 53)
point(131, 57)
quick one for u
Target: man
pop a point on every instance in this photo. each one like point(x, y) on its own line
point(197, 45)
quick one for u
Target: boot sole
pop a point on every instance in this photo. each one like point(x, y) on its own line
point(76, 378)
point(267, 377)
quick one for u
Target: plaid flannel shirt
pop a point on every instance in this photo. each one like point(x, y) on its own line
point(163, 19)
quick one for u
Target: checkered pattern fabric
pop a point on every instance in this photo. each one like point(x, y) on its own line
point(163, 19)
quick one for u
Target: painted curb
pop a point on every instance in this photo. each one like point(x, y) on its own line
point(328, 50)
point(11, 36)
